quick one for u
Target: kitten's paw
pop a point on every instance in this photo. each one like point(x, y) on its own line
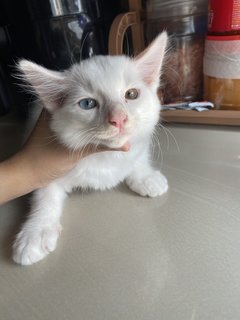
point(152, 185)
point(32, 245)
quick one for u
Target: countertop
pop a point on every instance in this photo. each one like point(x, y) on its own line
point(123, 257)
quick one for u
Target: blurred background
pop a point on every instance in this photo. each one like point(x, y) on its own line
point(201, 64)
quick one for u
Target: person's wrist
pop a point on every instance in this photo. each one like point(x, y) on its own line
point(25, 166)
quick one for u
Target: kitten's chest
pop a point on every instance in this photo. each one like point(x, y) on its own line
point(103, 170)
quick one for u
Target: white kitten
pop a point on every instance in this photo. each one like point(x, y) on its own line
point(103, 100)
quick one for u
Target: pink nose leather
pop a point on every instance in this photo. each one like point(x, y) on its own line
point(117, 120)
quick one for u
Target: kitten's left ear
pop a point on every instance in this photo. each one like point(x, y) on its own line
point(49, 85)
point(149, 62)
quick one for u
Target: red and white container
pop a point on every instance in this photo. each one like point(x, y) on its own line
point(224, 16)
point(222, 71)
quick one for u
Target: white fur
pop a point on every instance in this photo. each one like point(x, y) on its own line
point(105, 79)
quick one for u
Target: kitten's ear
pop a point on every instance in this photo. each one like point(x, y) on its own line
point(149, 62)
point(49, 85)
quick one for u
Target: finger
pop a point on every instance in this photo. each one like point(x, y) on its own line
point(126, 147)
point(123, 148)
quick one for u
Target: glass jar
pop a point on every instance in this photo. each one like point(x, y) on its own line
point(186, 24)
point(222, 71)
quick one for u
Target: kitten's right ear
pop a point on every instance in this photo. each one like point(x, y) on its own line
point(149, 62)
point(49, 85)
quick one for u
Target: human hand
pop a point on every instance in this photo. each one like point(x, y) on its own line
point(46, 159)
point(41, 160)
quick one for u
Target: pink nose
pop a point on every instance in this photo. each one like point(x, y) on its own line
point(117, 120)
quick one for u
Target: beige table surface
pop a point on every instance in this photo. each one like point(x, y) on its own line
point(123, 257)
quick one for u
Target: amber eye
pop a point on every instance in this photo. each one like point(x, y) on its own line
point(131, 94)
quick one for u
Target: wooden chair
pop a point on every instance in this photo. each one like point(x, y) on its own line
point(133, 19)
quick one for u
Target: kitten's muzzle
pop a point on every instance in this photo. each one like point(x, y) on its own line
point(118, 120)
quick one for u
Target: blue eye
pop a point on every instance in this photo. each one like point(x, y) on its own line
point(87, 104)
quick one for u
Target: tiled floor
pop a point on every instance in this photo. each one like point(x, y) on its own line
point(123, 257)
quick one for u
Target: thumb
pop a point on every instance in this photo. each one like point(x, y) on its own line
point(126, 147)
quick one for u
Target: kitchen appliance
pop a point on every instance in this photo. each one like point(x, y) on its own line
point(53, 33)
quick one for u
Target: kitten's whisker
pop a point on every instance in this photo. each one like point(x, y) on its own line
point(168, 131)
point(174, 77)
point(156, 143)
point(84, 143)
point(82, 45)
point(160, 127)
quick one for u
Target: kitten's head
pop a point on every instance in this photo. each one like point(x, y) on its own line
point(103, 100)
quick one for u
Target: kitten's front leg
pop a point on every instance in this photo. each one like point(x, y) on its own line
point(147, 181)
point(39, 234)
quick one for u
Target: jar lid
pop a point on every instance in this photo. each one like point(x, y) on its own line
point(219, 45)
point(221, 57)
